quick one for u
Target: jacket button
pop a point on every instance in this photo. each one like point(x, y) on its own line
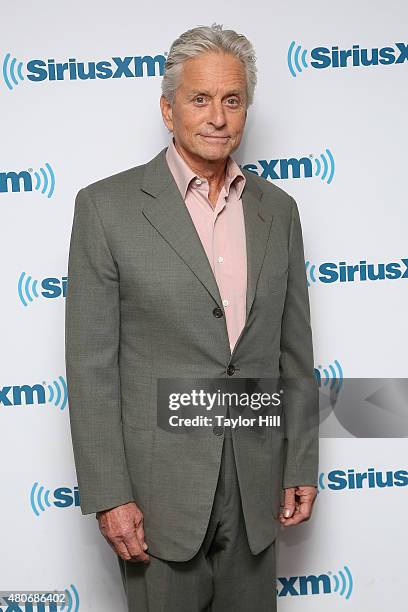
point(230, 370)
point(218, 430)
point(217, 312)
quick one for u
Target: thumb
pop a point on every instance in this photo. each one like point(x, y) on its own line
point(289, 504)
point(140, 535)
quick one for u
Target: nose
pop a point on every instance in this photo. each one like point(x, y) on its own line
point(217, 114)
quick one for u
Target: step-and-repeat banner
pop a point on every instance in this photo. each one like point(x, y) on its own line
point(79, 88)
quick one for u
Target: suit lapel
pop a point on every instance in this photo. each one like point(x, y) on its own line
point(167, 212)
point(258, 221)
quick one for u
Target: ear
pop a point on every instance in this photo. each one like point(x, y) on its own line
point(167, 112)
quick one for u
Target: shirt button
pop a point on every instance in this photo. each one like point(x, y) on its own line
point(225, 302)
point(198, 181)
point(220, 259)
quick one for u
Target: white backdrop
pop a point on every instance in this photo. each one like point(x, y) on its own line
point(60, 135)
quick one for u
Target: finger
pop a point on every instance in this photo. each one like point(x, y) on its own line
point(307, 494)
point(289, 504)
point(121, 549)
point(305, 508)
point(303, 513)
point(129, 553)
point(135, 548)
point(140, 535)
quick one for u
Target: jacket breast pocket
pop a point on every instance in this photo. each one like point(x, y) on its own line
point(272, 282)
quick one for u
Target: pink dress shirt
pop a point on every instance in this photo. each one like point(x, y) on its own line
point(222, 232)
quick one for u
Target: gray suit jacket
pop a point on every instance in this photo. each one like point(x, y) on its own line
point(139, 306)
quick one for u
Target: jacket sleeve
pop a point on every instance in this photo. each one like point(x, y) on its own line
point(92, 318)
point(301, 395)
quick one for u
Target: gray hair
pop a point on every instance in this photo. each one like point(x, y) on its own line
point(204, 39)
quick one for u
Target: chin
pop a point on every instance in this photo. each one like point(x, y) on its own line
point(214, 153)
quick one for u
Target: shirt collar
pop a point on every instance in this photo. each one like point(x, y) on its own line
point(183, 174)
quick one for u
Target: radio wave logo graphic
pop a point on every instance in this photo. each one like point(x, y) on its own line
point(310, 273)
point(332, 374)
point(27, 289)
point(72, 600)
point(39, 499)
point(12, 71)
point(58, 393)
point(45, 180)
point(343, 582)
point(296, 59)
point(322, 486)
point(325, 166)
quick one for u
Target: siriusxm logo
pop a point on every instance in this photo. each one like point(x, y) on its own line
point(25, 395)
point(332, 272)
point(31, 602)
point(334, 57)
point(338, 480)
point(50, 288)
point(322, 166)
point(38, 70)
point(42, 180)
point(62, 497)
point(340, 583)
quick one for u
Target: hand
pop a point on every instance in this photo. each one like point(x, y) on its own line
point(298, 504)
point(122, 528)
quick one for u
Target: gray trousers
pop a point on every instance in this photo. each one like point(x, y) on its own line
point(223, 576)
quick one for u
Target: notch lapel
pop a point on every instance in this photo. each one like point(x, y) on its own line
point(258, 221)
point(168, 213)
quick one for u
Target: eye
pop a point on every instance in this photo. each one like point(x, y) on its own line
point(235, 102)
point(199, 100)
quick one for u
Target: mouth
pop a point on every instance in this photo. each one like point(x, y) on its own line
point(216, 139)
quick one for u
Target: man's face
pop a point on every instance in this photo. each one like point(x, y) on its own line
point(208, 114)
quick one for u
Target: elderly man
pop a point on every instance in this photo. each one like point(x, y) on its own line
point(188, 268)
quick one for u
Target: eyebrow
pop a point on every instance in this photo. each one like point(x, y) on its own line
point(206, 93)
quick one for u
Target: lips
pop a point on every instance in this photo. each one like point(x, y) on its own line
point(214, 137)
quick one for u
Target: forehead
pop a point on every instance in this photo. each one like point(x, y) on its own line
point(209, 71)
